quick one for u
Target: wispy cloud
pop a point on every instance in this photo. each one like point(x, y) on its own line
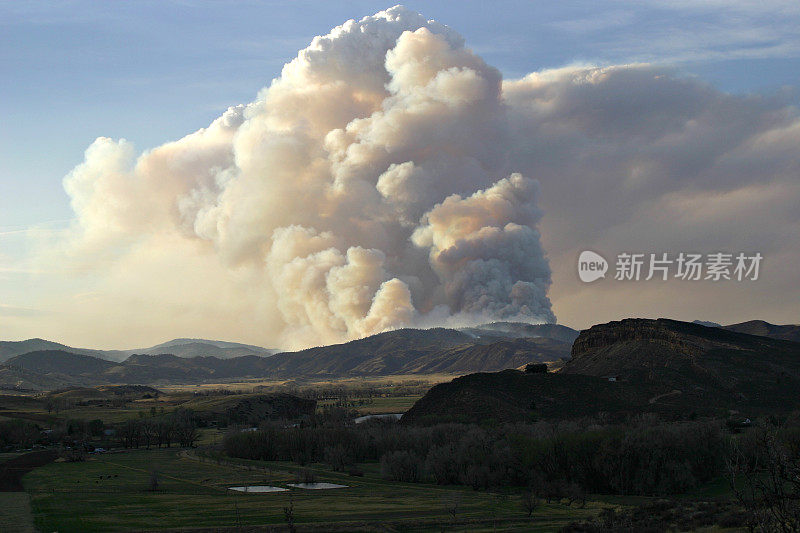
point(11, 311)
point(673, 32)
point(48, 226)
point(13, 232)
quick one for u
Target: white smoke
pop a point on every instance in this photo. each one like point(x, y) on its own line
point(375, 184)
point(366, 188)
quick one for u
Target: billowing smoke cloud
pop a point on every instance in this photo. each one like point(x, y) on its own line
point(369, 183)
point(486, 250)
point(641, 158)
point(386, 179)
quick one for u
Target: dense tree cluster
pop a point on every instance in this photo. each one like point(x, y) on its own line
point(179, 427)
point(764, 472)
point(18, 433)
point(557, 461)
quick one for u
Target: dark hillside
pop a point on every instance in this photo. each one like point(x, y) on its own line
point(634, 366)
point(60, 362)
point(708, 365)
point(512, 395)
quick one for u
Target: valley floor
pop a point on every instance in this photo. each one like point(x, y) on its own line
point(15, 512)
point(111, 492)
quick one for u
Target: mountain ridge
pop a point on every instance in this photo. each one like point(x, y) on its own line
point(435, 350)
point(789, 332)
point(184, 347)
point(629, 367)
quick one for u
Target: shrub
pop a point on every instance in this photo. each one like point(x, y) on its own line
point(401, 466)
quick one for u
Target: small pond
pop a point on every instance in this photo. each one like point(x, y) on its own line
point(395, 416)
point(316, 486)
point(258, 488)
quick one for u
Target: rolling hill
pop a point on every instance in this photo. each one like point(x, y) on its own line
point(19, 379)
point(60, 362)
point(10, 349)
point(177, 347)
point(406, 351)
point(514, 396)
point(788, 332)
point(204, 348)
point(143, 368)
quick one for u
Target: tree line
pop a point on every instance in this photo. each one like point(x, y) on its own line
point(179, 427)
point(646, 457)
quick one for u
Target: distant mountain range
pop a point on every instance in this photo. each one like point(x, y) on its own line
point(634, 366)
point(439, 350)
point(765, 329)
point(667, 354)
point(178, 347)
point(788, 332)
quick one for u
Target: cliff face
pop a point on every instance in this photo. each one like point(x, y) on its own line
point(634, 345)
point(711, 364)
point(664, 366)
point(666, 334)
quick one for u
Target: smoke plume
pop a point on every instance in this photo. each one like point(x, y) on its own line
point(366, 188)
point(386, 178)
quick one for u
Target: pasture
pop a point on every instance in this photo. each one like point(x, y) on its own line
point(115, 491)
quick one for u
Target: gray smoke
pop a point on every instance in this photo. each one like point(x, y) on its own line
point(367, 188)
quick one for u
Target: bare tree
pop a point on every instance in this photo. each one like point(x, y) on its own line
point(154, 481)
point(337, 457)
point(185, 428)
point(288, 514)
point(574, 493)
point(129, 433)
point(148, 432)
point(164, 432)
point(766, 481)
point(529, 502)
point(452, 503)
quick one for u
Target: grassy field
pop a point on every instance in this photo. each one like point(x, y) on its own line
point(9, 455)
point(379, 405)
point(111, 492)
point(15, 512)
point(359, 382)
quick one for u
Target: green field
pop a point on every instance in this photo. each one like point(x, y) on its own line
point(111, 492)
point(380, 405)
point(15, 512)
